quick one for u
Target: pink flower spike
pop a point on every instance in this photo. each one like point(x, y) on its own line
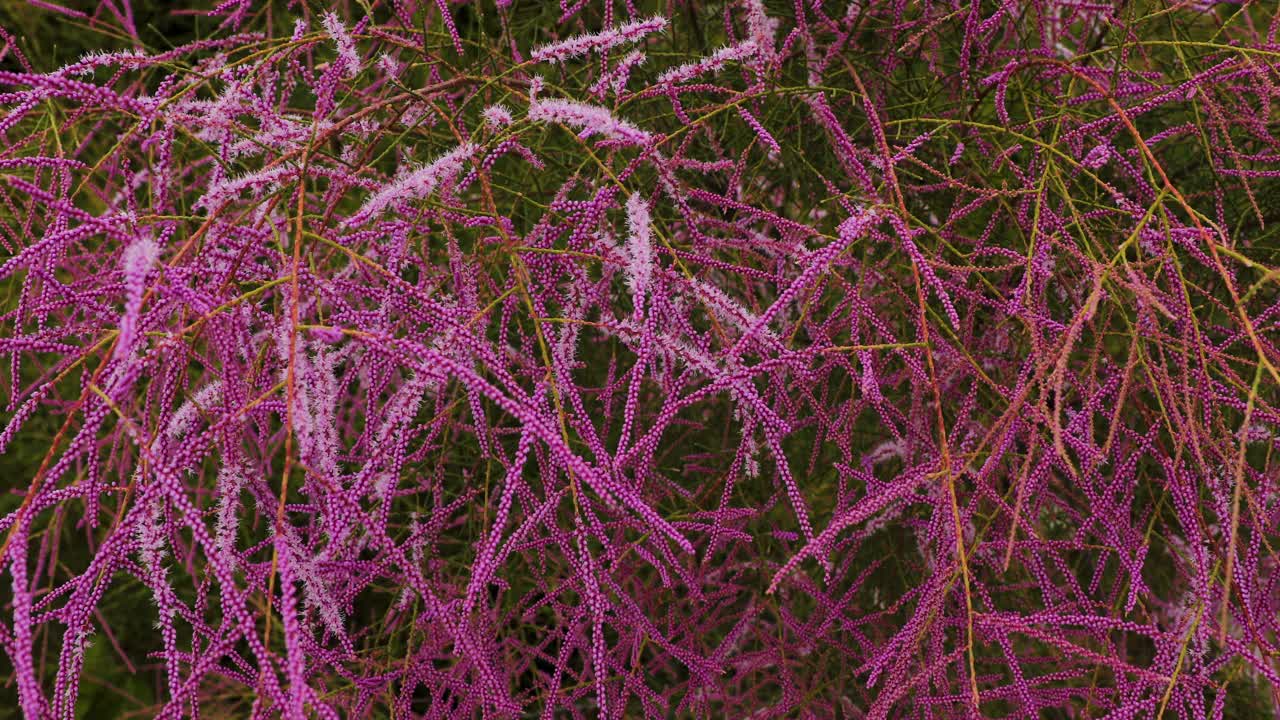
point(639, 248)
point(348, 59)
point(711, 64)
point(599, 42)
point(590, 119)
point(415, 184)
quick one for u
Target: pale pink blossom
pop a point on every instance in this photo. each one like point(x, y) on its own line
point(416, 184)
point(599, 42)
point(590, 119)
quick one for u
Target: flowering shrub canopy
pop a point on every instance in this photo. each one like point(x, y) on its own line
point(692, 359)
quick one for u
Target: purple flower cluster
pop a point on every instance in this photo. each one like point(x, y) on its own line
point(895, 359)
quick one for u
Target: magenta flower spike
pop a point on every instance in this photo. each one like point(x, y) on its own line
point(601, 42)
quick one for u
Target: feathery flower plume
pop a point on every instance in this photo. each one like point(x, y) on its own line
point(713, 63)
point(639, 248)
point(762, 30)
point(590, 119)
point(416, 184)
point(348, 63)
point(599, 42)
point(135, 263)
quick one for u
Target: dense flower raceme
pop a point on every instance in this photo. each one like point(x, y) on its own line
point(447, 359)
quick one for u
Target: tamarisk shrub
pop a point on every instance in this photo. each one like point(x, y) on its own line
point(688, 359)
